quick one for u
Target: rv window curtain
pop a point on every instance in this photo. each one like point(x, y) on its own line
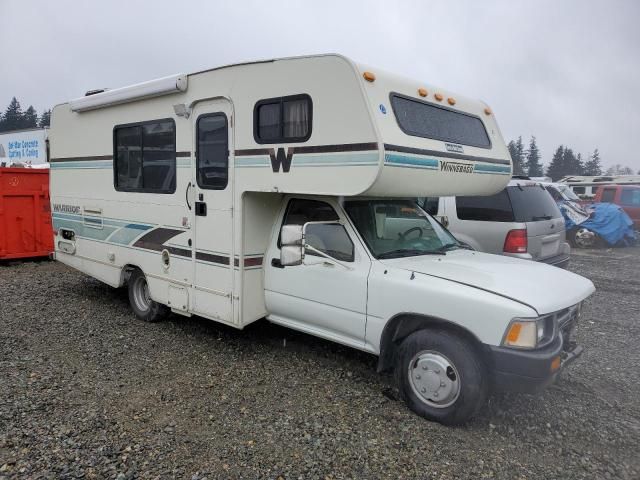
point(296, 118)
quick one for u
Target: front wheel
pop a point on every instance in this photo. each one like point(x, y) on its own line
point(441, 376)
point(140, 300)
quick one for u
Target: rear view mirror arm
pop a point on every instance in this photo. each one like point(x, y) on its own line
point(328, 257)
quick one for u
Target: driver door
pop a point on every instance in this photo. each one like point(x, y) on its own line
point(320, 297)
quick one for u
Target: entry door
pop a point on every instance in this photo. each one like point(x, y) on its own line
point(212, 185)
point(320, 297)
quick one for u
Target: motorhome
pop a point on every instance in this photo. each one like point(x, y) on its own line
point(586, 186)
point(282, 189)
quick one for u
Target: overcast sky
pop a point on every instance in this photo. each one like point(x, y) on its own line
point(565, 71)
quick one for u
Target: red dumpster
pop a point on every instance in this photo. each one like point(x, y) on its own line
point(25, 213)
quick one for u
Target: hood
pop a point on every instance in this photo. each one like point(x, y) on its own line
point(543, 287)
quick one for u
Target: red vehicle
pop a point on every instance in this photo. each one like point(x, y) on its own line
point(627, 196)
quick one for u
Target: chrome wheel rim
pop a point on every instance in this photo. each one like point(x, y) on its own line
point(434, 379)
point(141, 295)
point(584, 238)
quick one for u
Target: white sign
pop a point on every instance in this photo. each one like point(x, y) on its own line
point(28, 147)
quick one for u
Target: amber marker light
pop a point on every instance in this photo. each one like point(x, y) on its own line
point(514, 333)
point(438, 96)
point(487, 111)
point(451, 100)
point(369, 77)
point(423, 92)
point(555, 364)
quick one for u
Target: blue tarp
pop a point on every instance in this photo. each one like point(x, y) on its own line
point(608, 220)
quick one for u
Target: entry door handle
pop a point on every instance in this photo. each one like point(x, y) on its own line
point(201, 209)
point(186, 195)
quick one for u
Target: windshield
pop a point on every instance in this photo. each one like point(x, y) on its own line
point(398, 228)
point(532, 203)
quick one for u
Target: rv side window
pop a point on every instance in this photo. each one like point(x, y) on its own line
point(283, 119)
point(422, 119)
point(213, 151)
point(330, 239)
point(145, 157)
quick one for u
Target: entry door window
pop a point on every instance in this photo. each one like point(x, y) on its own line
point(212, 153)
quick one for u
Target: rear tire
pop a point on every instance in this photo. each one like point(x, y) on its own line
point(140, 300)
point(579, 238)
point(441, 376)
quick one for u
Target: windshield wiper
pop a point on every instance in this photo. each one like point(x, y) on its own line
point(449, 246)
point(407, 252)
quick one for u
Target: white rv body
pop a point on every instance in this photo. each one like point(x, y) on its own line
point(215, 252)
point(350, 152)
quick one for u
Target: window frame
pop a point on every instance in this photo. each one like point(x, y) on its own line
point(392, 95)
point(337, 222)
point(281, 138)
point(226, 122)
point(115, 157)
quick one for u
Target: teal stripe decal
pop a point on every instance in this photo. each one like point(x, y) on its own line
point(395, 159)
point(103, 164)
point(495, 169)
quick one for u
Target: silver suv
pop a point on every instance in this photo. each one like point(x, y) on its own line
point(521, 221)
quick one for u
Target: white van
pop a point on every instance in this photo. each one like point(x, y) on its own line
point(281, 190)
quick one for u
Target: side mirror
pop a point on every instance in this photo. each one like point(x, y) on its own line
point(291, 255)
point(291, 235)
point(291, 251)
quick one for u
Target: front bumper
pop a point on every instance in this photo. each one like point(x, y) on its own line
point(530, 371)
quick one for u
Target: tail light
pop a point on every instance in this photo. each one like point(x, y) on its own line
point(516, 241)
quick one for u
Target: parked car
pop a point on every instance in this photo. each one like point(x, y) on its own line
point(591, 225)
point(520, 221)
point(627, 196)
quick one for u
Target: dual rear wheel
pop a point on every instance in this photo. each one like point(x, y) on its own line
point(143, 306)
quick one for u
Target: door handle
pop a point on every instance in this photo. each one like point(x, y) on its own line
point(201, 209)
point(186, 195)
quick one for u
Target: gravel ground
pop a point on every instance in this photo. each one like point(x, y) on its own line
point(86, 390)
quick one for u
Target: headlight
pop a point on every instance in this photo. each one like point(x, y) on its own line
point(530, 332)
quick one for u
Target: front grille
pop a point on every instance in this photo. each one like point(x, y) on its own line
point(567, 323)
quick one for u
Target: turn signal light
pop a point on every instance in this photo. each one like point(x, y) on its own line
point(369, 77)
point(516, 241)
point(555, 364)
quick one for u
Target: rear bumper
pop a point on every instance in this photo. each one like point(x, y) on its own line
point(561, 260)
point(530, 371)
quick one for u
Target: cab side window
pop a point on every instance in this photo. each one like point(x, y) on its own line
point(330, 239)
point(608, 195)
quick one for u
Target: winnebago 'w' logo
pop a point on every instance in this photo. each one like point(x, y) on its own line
point(279, 158)
point(456, 167)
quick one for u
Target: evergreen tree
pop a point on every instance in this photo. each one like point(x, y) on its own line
point(593, 166)
point(12, 116)
point(579, 164)
point(516, 150)
point(556, 169)
point(534, 167)
point(618, 169)
point(30, 118)
point(45, 119)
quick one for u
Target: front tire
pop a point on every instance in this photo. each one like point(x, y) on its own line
point(140, 300)
point(441, 376)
